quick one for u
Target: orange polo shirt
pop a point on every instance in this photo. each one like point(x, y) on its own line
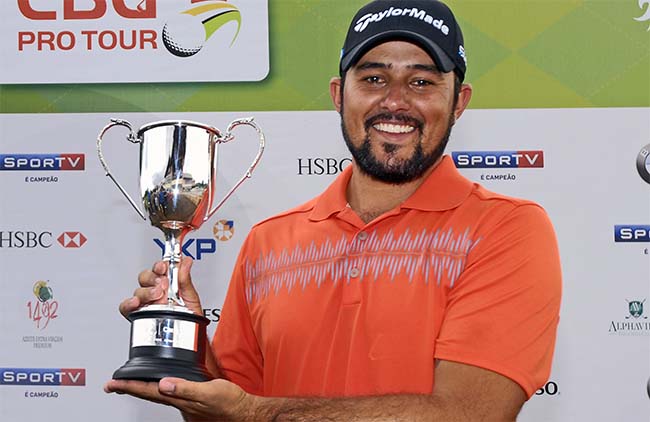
point(322, 304)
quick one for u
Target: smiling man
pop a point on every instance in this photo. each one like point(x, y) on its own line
point(402, 292)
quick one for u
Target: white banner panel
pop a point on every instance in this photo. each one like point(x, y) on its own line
point(95, 41)
point(71, 246)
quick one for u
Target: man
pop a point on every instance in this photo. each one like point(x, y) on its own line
point(404, 291)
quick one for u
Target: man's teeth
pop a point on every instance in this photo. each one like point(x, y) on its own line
point(390, 128)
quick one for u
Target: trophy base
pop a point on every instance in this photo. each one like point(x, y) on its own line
point(154, 369)
point(166, 342)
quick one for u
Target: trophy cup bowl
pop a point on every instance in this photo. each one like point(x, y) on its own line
point(177, 186)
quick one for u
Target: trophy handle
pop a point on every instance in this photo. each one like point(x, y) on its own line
point(131, 138)
point(227, 137)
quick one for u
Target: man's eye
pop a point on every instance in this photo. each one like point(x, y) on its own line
point(422, 82)
point(373, 79)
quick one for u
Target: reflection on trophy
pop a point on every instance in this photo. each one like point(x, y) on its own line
point(177, 186)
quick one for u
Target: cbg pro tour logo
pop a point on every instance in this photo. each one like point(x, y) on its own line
point(186, 34)
point(133, 41)
point(498, 159)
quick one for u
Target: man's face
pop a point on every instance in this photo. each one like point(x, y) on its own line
point(396, 110)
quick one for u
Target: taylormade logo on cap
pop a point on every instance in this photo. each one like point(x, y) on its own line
point(414, 12)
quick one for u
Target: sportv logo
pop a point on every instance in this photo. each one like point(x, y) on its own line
point(184, 35)
point(43, 162)
point(631, 233)
point(414, 12)
point(73, 377)
point(498, 159)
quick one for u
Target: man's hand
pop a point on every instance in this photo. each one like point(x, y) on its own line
point(154, 284)
point(216, 400)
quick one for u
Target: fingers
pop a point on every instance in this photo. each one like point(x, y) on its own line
point(153, 289)
point(148, 278)
point(144, 296)
point(187, 290)
point(129, 305)
point(154, 284)
point(140, 389)
point(151, 391)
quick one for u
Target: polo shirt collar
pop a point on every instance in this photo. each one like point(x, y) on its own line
point(445, 188)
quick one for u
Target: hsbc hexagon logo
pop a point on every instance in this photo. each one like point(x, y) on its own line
point(72, 239)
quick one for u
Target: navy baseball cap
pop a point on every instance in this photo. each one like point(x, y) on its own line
point(428, 23)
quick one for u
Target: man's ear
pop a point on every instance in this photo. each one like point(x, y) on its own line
point(335, 92)
point(464, 96)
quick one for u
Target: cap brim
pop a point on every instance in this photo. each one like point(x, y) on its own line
point(440, 58)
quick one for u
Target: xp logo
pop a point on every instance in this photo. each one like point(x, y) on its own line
point(72, 239)
point(194, 248)
point(185, 34)
point(498, 159)
point(45, 308)
point(631, 233)
point(43, 376)
point(224, 230)
point(643, 160)
point(46, 162)
point(635, 308)
point(645, 16)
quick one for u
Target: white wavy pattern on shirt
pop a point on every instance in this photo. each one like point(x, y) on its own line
point(430, 254)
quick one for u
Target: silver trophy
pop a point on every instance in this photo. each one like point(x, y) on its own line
point(177, 187)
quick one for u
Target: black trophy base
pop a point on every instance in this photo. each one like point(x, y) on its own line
point(153, 369)
point(157, 348)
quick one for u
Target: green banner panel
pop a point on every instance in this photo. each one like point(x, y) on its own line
point(521, 54)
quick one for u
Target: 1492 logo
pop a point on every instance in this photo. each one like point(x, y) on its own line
point(45, 308)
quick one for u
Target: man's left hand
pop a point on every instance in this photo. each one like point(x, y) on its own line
point(216, 400)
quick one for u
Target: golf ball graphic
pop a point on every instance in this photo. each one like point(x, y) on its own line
point(185, 34)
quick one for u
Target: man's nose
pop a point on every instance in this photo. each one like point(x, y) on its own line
point(396, 98)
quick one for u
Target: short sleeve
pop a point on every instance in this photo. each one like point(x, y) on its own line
point(502, 313)
point(234, 344)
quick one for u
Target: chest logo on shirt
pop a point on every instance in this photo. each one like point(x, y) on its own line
point(427, 255)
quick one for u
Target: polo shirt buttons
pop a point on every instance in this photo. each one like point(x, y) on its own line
point(354, 272)
point(362, 236)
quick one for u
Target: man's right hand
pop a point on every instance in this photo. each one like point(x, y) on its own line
point(154, 284)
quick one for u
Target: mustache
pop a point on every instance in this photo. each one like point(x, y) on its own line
point(394, 118)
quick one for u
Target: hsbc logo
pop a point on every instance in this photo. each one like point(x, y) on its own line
point(72, 239)
point(23, 239)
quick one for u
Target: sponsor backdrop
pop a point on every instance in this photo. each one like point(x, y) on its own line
point(561, 115)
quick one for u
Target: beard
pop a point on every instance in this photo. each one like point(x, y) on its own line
point(395, 170)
